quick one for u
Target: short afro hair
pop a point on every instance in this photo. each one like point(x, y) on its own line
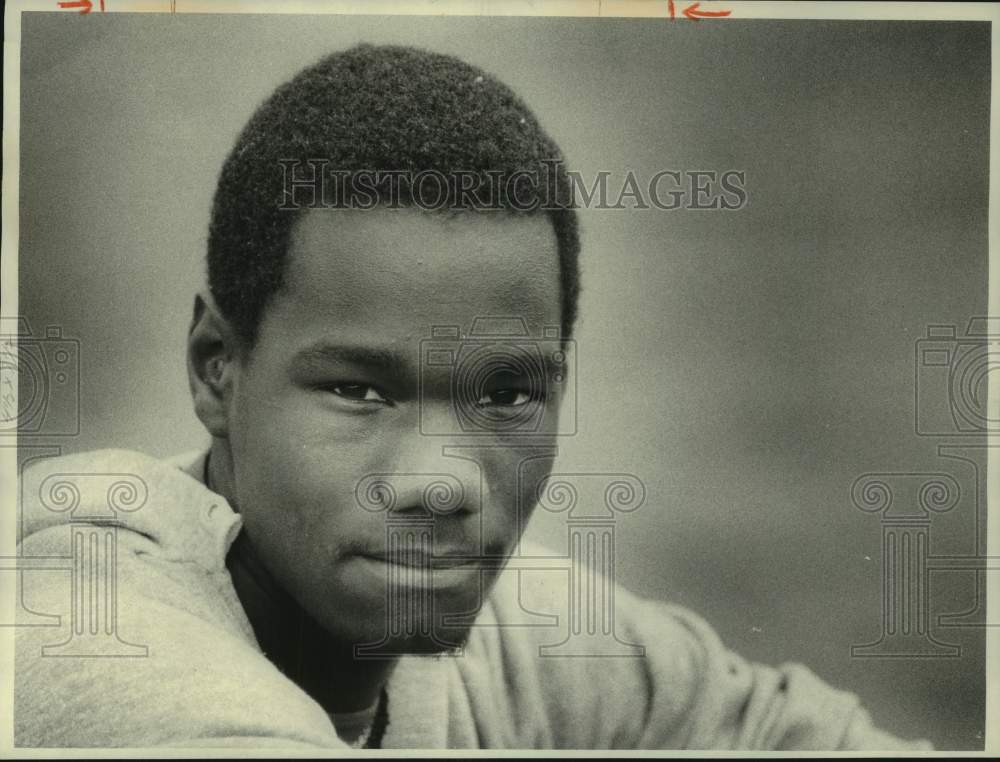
point(376, 108)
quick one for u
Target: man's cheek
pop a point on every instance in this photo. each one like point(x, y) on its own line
point(517, 483)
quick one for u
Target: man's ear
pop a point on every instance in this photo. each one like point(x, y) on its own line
point(212, 359)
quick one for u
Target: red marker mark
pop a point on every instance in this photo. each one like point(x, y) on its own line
point(673, 13)
point(83, 5)
point(694, 14)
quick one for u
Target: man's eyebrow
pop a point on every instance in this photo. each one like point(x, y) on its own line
point(321, 354)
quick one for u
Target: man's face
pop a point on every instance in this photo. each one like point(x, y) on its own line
point(331, 411)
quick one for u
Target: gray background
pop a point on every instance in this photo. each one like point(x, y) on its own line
point(748, 366)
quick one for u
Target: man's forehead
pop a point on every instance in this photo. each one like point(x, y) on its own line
point(398, 273)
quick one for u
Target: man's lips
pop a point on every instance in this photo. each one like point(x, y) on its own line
point(423, 571)
point(419, 559)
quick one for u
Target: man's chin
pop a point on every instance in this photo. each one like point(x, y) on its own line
point(402, 621)
point(422, 639)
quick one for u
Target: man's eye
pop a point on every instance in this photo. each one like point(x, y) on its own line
point(357, 392)
point(505, 397)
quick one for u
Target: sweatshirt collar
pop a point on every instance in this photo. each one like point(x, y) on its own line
point(418, 688)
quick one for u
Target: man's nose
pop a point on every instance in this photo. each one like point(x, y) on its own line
point(424, 481)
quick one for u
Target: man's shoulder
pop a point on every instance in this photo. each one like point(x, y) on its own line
point(544, 596)
point(160, 534)
point(541, 579)
point(131, 491)
point(106, 460)
point(149, 542)
point(554, 628)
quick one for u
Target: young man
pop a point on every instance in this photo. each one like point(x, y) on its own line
point(328, 573)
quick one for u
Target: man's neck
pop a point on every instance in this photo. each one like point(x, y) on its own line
point(291, 639)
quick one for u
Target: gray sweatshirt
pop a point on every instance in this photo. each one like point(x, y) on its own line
point(177, 662)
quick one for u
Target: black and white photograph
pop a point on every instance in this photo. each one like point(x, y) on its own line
point(498, 377)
